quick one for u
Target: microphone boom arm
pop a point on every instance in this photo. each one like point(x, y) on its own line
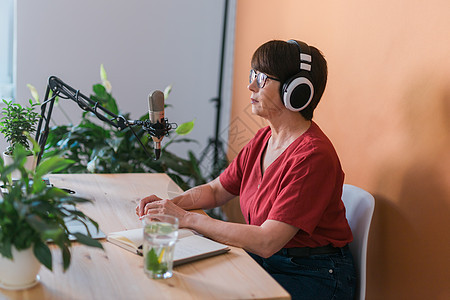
point(61, 89)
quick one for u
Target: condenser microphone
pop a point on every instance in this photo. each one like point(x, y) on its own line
point(156, 116)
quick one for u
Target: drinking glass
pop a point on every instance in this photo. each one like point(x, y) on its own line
point(160, 236)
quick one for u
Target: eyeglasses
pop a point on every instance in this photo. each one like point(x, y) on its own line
point(260, 78)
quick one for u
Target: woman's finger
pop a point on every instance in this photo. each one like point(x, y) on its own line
point(153, 207)
point(143, 202)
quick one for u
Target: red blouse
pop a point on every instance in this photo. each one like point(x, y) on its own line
point(302, 187)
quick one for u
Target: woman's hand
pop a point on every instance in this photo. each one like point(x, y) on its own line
point(155, 205)
point(143, 202)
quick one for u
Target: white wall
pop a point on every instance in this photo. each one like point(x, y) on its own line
point(144, 46)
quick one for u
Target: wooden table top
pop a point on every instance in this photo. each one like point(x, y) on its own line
point(118, 274)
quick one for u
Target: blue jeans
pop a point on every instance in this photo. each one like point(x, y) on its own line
point(324, 276)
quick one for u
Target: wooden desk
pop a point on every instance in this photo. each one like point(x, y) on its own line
point(118, 274)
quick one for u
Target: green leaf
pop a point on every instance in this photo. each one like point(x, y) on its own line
point(66, 257)
point(53, 234)
point(103, 76)
point(194, 162)
point(5, 249)
point(99, 90)
point(36, 148)
point(73, 200)
point(43, 254)
point(185, 128)
point(47, 230)
point(152, 261)
point(38, 185)
point(87, 240)
point(34, 92)
point(52, 164)
point(55, 193)
point(167, 91)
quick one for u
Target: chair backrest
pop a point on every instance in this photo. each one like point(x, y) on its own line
point(359, 206)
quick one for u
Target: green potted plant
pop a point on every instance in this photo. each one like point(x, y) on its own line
point(33, 214)
point(17, 120)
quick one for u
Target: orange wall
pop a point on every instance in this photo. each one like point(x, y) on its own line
point(387, 111)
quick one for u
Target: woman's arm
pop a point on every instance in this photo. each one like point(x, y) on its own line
point(205, 196)
point(264, 240)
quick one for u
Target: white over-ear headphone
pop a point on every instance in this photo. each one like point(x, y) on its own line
point(298, 90)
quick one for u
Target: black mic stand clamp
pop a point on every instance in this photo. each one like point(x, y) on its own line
point(157, 130)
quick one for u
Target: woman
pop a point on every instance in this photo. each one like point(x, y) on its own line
point(289, 180)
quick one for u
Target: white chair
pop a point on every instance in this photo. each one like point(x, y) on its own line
point(359, 206)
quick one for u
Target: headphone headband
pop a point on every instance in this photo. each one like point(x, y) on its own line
point(305, 55)
point(298, 90)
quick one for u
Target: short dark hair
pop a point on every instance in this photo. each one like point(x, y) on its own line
point(281, 60)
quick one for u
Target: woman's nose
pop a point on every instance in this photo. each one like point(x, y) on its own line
point(252, 86)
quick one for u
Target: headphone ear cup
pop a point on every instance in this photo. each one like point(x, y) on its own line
point(298, 92)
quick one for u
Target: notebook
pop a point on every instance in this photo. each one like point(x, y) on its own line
point(190, 246)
